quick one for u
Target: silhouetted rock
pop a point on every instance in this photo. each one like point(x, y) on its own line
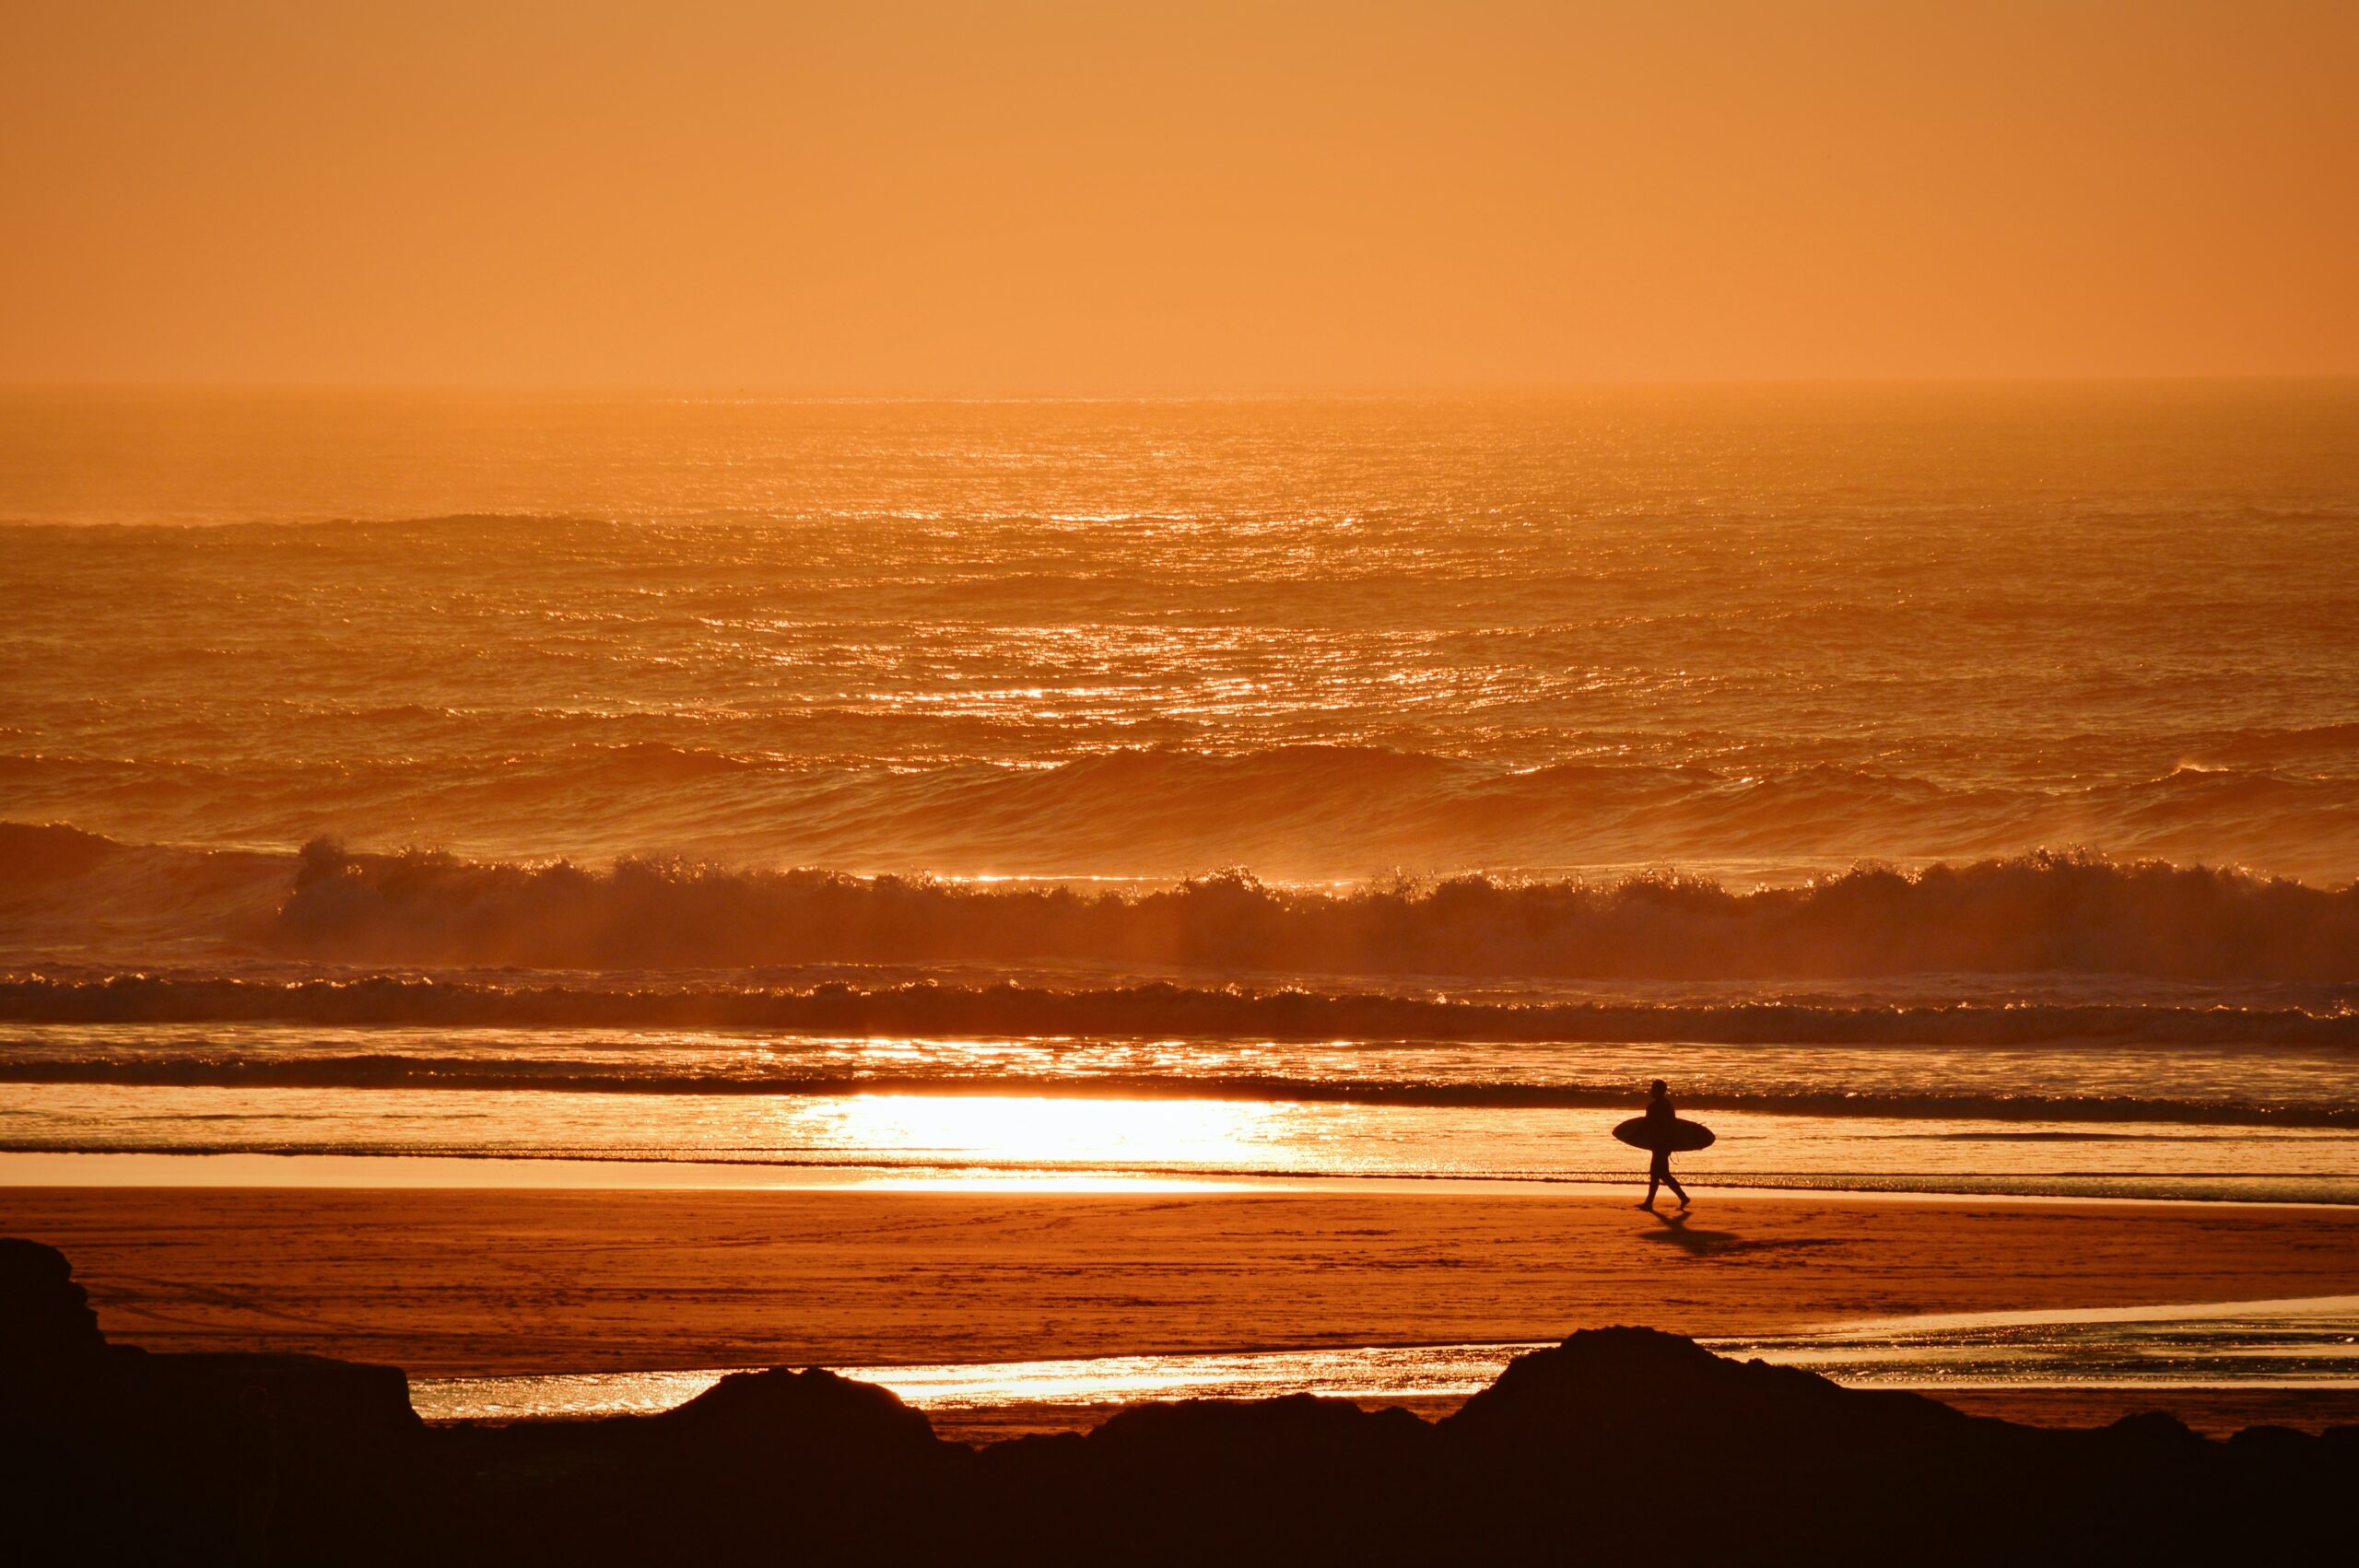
point(45, 1317)
point(1617, 1443)
point(1607, 1392)
point(813, 1414)
point(124, 1454)
point(2273, 1442)
point(1298, 1428)
point(1248, 1454)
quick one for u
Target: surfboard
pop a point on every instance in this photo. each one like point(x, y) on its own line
point(1639, 1132)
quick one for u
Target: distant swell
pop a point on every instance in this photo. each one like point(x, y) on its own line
point(839, 788)
point(1158, 1009)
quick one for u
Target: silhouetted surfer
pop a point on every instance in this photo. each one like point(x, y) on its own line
point(1659, 1116)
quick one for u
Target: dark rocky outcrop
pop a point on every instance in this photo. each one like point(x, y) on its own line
point(1618, 1444)
point(45, 1317)
point(120, 1455)
point(811, 1416)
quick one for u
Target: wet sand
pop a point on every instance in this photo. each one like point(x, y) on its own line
point(485, 1282)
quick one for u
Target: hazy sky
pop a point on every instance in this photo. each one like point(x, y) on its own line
point(963, 196)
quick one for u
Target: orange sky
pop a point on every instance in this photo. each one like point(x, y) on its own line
point(965, 196)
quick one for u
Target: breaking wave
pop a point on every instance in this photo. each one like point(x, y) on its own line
point(2043, 913)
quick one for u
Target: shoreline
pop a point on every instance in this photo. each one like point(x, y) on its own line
point(111, 1169)
point(2199, 1361)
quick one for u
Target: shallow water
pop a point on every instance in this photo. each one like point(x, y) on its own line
point(2119, 1119)
point(2307, 1343)
point(941, 1140)
point(2193, 1106)
point(2102, 1082)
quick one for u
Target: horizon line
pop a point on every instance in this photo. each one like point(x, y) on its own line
point(1471, 391)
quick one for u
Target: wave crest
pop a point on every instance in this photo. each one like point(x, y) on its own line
point(2049, 913)
point(2045, 912)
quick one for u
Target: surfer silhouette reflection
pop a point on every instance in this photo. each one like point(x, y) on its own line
point(1661, 1118)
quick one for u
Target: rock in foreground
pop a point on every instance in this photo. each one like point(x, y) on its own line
point(1619, 1443)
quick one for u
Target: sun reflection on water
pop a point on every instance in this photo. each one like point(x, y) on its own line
point(1056, 1130)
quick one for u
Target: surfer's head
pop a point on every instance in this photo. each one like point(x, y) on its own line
point(1661, 1087)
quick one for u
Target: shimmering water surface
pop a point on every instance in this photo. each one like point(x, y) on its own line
point(960, 1137)
point(2240, 1122)
point(1946, 788)
point(1750, 630)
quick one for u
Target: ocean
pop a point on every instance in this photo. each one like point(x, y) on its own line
point(1947, 788)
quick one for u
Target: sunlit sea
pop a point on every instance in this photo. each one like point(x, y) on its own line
point(1950, 789)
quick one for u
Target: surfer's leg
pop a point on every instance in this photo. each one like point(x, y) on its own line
point(1661, 1171)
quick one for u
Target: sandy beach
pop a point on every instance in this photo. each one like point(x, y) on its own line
point(483, 1282)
